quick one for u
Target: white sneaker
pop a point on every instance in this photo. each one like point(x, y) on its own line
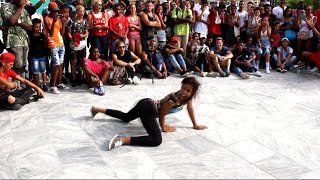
point(203, 74)
point(136, 80)
point(267, 70)
point(257, 73)
point(63, 86)
point(315, 69)
point(54, 90)
point(115, 142)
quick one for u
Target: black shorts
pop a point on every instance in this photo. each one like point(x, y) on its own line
point(75, 55)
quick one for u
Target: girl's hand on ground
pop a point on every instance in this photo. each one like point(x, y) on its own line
point(200, 127)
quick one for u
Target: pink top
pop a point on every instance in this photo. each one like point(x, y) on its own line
point(96, 67)
point(134, 21)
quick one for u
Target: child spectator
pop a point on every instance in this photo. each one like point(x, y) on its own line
point(77, 32)
point(284, 57)
point(37, 53)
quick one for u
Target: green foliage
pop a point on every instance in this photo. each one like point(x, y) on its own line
point(295, 3)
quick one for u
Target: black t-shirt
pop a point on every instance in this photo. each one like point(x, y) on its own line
point(125, 58)
point(223, 51)
point(245, 54)
point(37, 45)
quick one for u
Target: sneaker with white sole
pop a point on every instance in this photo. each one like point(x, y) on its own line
point(315, 69)
point(62, 86)
point(257, 73)
point(115, 142)
point(213, 74)
point(244, 76)
point(267, 70)
point(283, 70)
point(136, 80)
point(54, 90)
point(203, 74)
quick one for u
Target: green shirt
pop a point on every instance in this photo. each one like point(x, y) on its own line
point(183, 28)
point(14, 36)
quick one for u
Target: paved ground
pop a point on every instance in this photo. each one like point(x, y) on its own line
point(264, 127)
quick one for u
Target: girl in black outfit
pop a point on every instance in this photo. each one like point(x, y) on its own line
point(148, 110)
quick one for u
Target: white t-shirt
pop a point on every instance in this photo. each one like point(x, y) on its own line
point(284, 54)
point(243, 17)
point(201, 50)
point(201, 27)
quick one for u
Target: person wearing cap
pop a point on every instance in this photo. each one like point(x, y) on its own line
point(182, 18)
point(55, 26)
point(220, 58)
point(243, 60)
point(16, 23)
point(201, 25)
point(14, 100)
point(173, 57)
point(284, 57)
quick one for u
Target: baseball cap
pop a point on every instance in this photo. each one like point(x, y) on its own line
point(202, 35)
point(53, 6)
point(164, 1)
point(174, 39)
point(284, 39)
point(7, 57)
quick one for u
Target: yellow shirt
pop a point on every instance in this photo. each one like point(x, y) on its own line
point(183, 28)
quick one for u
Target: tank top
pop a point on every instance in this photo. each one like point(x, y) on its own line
point(264, 35)
point(146, 28)
point(56, 40)
point(126, 57)
point(254, 22)
point(98, 21)
point(133, 20)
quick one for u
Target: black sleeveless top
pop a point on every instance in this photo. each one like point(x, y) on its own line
point(145, 28)
point(125, 58)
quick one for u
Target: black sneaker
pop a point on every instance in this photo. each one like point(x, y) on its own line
point(222, 74)
point(64, 80)
point(227, 73)
point(184, 73)
point(34, 98)
point(73, 83)
point(45, 88)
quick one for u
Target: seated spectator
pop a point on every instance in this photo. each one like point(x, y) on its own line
point(254, 22)
point(154, 61)
point(220, 58)
point(209, 41)
point(125, 61)
point(96, 71)
point(16, 99)
point(263, 37)
point(252, 47)
point(275, 36)
point(243, 60)
point(174, 59)
point(284, 57)
point(192, 44)
point(201, 58)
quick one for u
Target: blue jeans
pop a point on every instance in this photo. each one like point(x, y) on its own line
point(289, 64)
point(175, 61)
point(100, 42)
point(239, 69)
point(38, 65)
point(57, 55)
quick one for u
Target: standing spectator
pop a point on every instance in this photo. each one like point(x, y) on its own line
point(278, 10)
point(275, 36)
point(220, 58)
point(201, 25)
point(232, 30)
point(269, 14)
point(288, 25)
point(182, 17)
point(216, 18)
point(134, 31)
point(150, 22)
point(77, 33)
point(16, 23)
point(37, 53)
point(284, 57)
point(249, 6)
point(55, 26)
point(161, 33)
point(317, 14)
point(98, 28)
point(263, 38)
point(243, 20)
point(253, 23)
point(119, 27)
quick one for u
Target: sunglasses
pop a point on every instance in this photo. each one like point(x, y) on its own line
point(100, 5)
point(121, 47)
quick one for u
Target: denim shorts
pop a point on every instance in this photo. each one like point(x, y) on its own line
point(266, 49)
point(57, 55)
point(38, 65)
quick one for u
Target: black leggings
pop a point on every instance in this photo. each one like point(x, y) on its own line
point(22, 97)
point(145, 110)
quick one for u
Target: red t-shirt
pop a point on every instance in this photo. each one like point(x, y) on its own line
point(96, 67)
point(213, 27)
point(317, 14)
point(98, 21)
point(120, 26)
point(6, 75)
point(275, 39)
